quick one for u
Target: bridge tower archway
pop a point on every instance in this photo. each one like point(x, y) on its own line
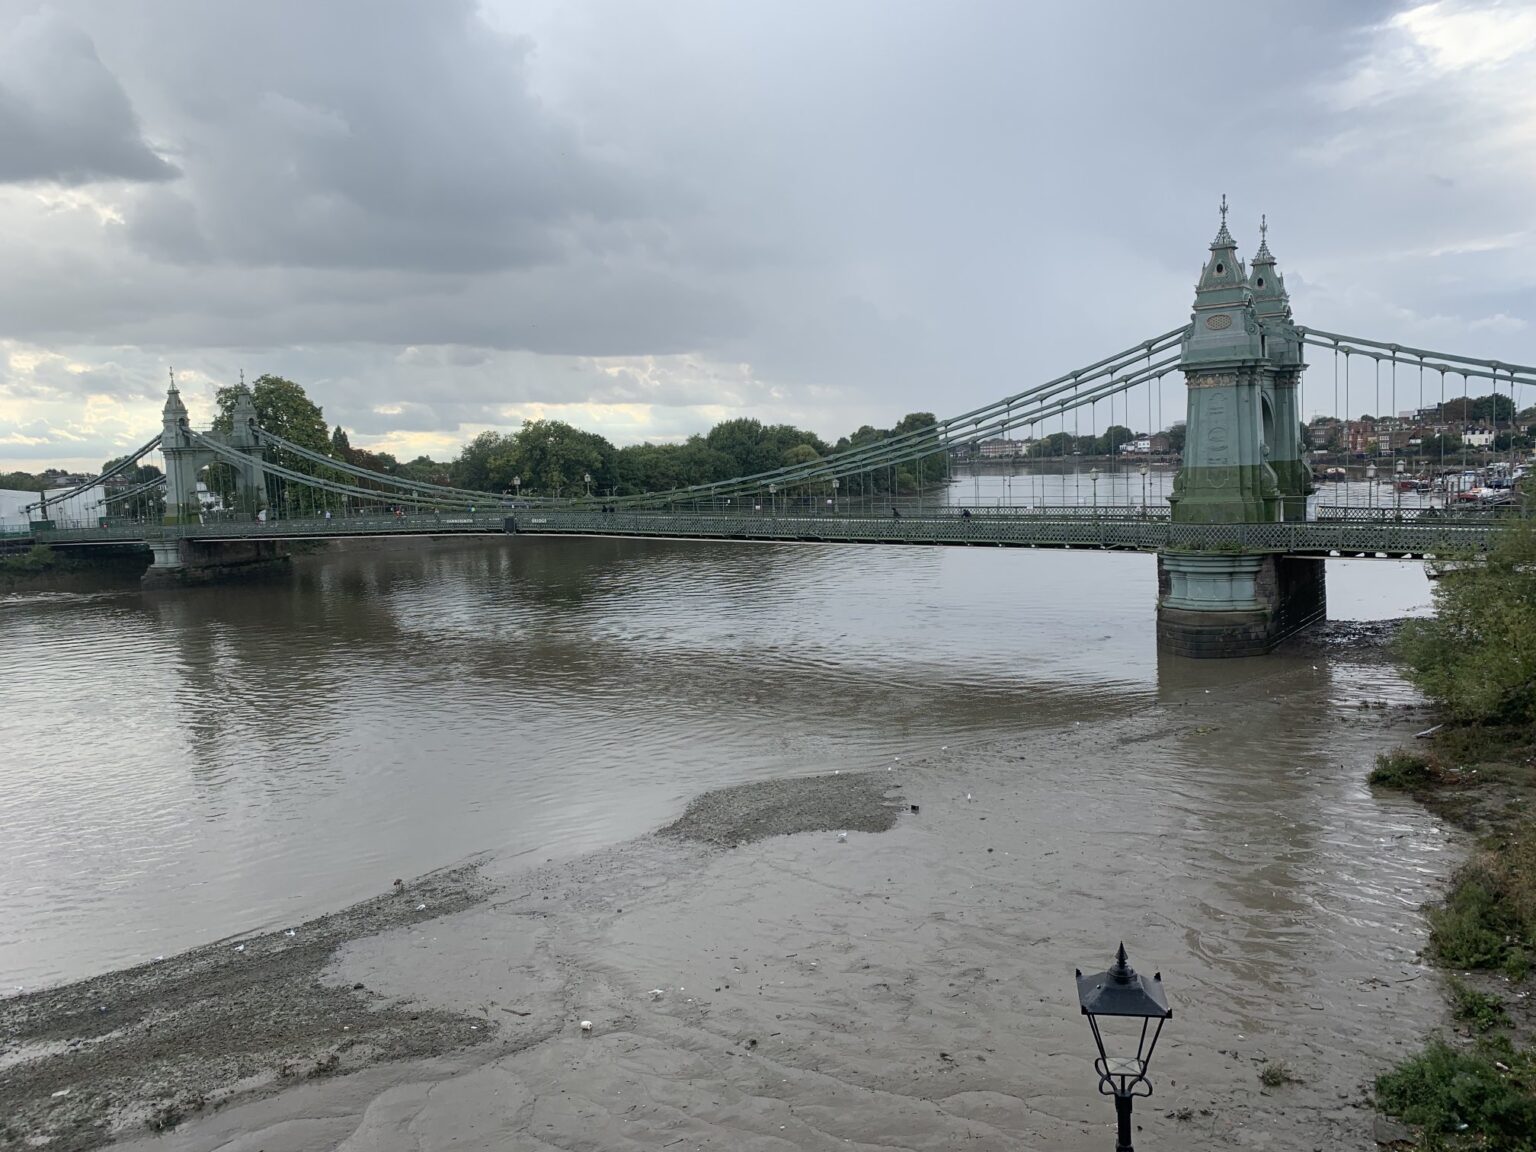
point(185, 458)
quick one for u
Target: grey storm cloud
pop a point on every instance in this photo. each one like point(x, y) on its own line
point(826, 213)
point(63, 117)
point(359, 135)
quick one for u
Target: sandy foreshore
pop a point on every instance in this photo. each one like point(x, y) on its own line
point(754, 981)
point(152, 1046)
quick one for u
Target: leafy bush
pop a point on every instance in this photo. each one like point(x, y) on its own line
point(1478, 1009)
point(38, 558)
point(1403, 770)
point(1463, 1098)
point(1488, 919)
point(1278, 1075)
point(1477, 656)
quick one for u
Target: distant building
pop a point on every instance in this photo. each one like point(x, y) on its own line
point(1157, 444)
point(1001, 448)
point(81, 509)
point(1359, 435)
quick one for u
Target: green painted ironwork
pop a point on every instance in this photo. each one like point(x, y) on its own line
point(1126, 529)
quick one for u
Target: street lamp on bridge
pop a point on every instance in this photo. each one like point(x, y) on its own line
point(835, 484)
point(1093, 475)
point(1144, 489)
point(517, 487)
point(1122, 994)
point(1370, 479)
point(586, 478)
point(773, 498)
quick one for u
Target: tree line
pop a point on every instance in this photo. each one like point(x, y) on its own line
point(553, 458)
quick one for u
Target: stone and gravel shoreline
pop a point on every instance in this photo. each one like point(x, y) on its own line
point(154, 1044)
point(151, 1046)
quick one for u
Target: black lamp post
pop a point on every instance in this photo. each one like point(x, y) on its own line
point(1122, 992)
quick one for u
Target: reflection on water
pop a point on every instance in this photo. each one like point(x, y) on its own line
point(182, 766)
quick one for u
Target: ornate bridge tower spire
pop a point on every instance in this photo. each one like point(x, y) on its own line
point(1225, 478)
point(185, 458)
point(181, 463)
point(1282, 382)
point(1231, 602)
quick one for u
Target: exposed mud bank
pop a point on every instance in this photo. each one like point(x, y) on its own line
point(151, 1045)
point(242, 1018)
point(1355, 639)
point(856, 802)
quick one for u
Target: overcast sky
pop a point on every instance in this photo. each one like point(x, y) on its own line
point(643, 218)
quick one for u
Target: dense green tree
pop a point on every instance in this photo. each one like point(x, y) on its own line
point(1504, 441)
point(754, 447)
point(1434, 447)
point(1477, 655)
point(1055, 444)
point(486, 455)
point(21, 482)
point(426, 470)
point(1175, 433)
point(284, 408)
point(1472, 409)
point(550, 457)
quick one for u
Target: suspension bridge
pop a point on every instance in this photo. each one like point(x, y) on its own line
point(1240, 540)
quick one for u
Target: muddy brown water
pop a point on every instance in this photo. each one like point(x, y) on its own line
point(182, 767)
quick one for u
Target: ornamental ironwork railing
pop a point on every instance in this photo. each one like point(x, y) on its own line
point(1467, 512)
point(1039, 528)
point(1308, 538)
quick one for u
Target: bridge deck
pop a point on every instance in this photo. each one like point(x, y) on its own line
point(1021, 528)
point(1026, 530)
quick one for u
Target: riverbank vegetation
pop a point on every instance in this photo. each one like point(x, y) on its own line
point(35, 561)
point(1476, 661)
point(41, 567)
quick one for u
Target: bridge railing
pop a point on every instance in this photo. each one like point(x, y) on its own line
point(1021, 527)
point(1468, 512)
point(1305, 538)
point(444, 523)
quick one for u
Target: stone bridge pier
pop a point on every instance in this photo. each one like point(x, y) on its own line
point(1219, 605)
point(180, 562)
point(1243, 464)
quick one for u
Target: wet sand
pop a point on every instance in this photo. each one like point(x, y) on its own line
point(152, 1045)
point(755, 981)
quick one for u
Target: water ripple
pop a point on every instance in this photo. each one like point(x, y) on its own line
point(179, 767)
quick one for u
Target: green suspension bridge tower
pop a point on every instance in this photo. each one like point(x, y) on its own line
point(1242, 364)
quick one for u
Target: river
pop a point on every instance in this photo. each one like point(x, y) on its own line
point(178, 767)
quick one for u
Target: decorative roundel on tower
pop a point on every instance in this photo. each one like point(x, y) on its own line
point(1219, 321)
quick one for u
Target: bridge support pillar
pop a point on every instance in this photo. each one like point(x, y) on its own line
point(178, 563)
point(1285, 450)
point(1217, 605)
